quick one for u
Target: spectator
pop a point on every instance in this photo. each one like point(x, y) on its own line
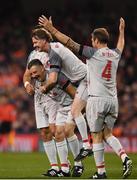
point(7, 118)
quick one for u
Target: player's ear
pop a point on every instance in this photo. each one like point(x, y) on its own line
point(97, 41)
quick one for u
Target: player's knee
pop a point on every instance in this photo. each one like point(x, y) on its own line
point(45, 134)
point(97, 137)
point(107, 133)
point(106, 136)
point(53, 130)
point(69, 134)
point(59, 135)
point(69, 130)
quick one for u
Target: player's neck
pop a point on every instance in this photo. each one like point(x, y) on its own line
point(102, 46)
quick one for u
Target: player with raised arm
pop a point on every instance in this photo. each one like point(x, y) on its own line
point(62, 59)
point(102, 104)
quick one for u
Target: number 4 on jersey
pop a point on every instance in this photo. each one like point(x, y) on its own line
point(107, 71)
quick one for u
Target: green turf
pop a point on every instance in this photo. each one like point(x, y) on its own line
point(31, 165)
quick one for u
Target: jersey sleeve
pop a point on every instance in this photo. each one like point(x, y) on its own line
point(31, 56)
point(55, 62)
point(86, 51)
point(63, 81)
point(118, 52)
point(29, 59)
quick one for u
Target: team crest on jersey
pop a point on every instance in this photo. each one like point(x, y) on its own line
point(47, 65)
point(57, 46)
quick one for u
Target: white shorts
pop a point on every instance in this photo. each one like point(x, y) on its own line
point(100, 111)
point(45, 113)
point(82, 91)
point(64, 115)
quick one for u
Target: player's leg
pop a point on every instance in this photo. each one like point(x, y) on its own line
point(112, 141)
point(42, 123)
point(78, 105)
point(115, 144)
point(61, 142)
point(95, 118)
point(80, 121)
point(62, 149)
point(50, 149)
point(52, 128)
point(74, 145)
point(98, 151)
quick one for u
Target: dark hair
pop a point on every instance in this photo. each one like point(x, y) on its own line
point(41, 33)
point(34, 62)
point(37, 27)
point(101, 34)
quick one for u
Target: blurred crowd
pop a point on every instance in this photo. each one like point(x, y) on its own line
point(78, 21)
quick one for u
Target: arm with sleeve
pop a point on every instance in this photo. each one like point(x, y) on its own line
point(86, 51)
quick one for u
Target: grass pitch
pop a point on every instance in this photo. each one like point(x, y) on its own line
point(32, 165)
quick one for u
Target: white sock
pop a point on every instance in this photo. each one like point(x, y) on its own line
point(98, 150)
point(51, 152)
point(75, 149)
point(74, 145)
point(82, 127)
point(63, 155)
point(115, 144)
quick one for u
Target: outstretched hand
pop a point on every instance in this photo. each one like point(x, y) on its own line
point(43, 20)
point(47, 24)
point(121, 24)
point(50, 20)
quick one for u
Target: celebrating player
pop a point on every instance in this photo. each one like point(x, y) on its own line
point(62, 59)
point(102, 104)
point(63, 121)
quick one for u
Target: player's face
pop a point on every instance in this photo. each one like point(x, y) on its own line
point(38, 72)
point(39, 44)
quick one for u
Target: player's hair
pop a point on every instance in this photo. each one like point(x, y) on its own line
point(101, 34)
point(34, 62)
point(41, 33)
point(37, 27)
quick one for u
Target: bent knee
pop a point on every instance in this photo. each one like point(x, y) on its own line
point(59, 135)
point(52, 129)
point(46, 134)
point(69, 130)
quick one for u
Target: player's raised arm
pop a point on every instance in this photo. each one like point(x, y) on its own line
point(121, 38)
point(67, 41)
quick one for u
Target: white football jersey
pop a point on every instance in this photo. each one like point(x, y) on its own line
point(62, 59)
point(56, 93)
point(102, 67)
point(42, 56)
